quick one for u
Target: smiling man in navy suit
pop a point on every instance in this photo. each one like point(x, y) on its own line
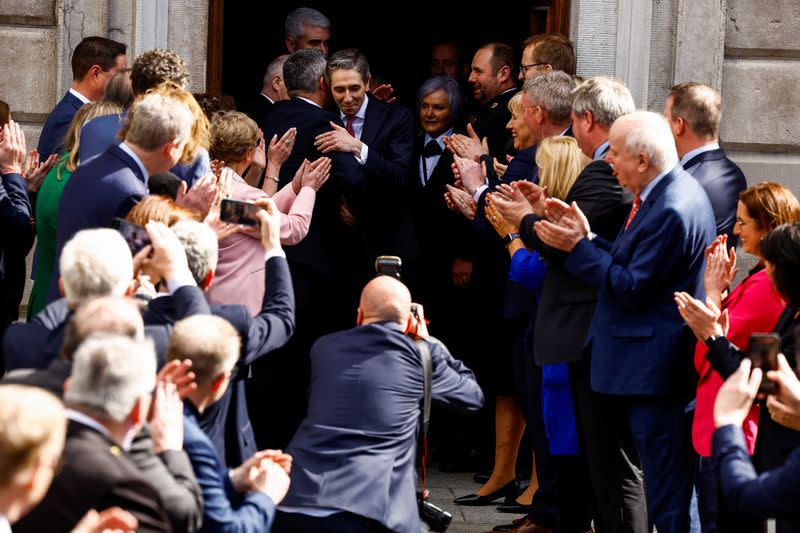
point(693, 111)
point(94, 62)
point(638, 343)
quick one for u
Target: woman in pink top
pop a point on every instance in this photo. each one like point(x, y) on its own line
point(236, 140)
point(753, 306)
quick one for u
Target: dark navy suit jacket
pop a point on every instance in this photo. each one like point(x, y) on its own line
point(16, 239)
point(224, 510)
point(107, 187)
point(723, 181)
point(639, 341)
point(356, 448)
point(319, 249)
point(772, 494)
point(37, 343)
point(51, 141)
point(101, 132)
point(227, 421)
point(382, 204)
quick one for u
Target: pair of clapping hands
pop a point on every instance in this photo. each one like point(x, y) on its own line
point(15, 159)
point(266, 471)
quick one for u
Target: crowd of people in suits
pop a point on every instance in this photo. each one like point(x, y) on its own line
point(577, 257)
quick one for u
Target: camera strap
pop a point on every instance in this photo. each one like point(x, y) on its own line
point(425, 415)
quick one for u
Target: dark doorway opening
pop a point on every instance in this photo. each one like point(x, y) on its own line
point(245, 36)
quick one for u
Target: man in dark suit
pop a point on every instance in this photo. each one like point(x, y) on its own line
point(493, 76)
point(319, 261)
point(227, 422)
point(274, 90)
point(380, 137)
point(107, 399)
point(242, 498)
point(694, 111)
point(94, 62)
point(354, 454)
point(15, 218)
point(637, 341)
point(111, 184)
point(156, 453)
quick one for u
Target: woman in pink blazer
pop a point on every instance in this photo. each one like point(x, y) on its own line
point(236, 140)
point(753, 306)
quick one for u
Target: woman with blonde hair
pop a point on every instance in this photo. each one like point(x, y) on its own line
point(49, 197)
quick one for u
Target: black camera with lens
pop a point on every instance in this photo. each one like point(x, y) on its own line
point(388, 265)
point(437, 518)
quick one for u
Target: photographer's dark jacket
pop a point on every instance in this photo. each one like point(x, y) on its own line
point(355, 450)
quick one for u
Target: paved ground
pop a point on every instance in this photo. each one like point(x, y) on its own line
point(444, 487)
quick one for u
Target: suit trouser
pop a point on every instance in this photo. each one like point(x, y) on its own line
point(336, 523)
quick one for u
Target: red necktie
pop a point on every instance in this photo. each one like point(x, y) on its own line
point(636, 203)
point(348, 124)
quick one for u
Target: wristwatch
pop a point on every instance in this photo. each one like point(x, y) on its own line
point(509, 238)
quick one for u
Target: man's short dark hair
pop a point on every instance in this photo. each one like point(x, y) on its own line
point(502, 55)
point(5, 113)
point(95, 51)
point(553, 49)
point(302, 71)
point(348, 59)
point(154, 67)
point(699, 106)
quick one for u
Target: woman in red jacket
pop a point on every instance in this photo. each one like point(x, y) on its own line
point(753, 306)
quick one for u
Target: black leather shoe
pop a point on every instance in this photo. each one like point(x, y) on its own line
point(510, 490)
point(513, 508)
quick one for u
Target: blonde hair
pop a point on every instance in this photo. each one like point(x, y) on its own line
point(560, 161)
point(72, 141)
point(515, 104)
point(232, 135)
point(33, 426)
point(209, 342)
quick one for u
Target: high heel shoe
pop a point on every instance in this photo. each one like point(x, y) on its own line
point(510, 491)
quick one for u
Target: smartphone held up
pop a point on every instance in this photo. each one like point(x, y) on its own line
point(763, 352)
point(238, 212)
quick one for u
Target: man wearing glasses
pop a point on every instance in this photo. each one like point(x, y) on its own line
point(545, 52)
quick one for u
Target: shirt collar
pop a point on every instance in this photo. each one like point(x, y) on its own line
point(271, 101)
point(79, 96)
point(697, 151)
point(438, 139)
point(603, 148)
point(127, 149)
point(361, 113)
point(86, 420)
point(650, 186)
point(312, 102)
point(5, 527)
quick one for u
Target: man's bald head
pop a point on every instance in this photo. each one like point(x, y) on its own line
point(384, 299)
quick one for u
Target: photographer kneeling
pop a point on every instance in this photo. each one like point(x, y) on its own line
point(354, 453)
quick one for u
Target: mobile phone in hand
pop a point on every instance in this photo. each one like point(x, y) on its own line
point(763, 352)
point(237, 212)
point(136, 236)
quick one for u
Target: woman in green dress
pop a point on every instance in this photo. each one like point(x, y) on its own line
point(49, 196)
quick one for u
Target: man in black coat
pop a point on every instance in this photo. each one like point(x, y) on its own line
point(694, 111)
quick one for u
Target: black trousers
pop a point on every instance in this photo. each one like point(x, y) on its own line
point(337, 523)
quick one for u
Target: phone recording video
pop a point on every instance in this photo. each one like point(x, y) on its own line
point(763, 352)
point(136, 236)
point(236, 212)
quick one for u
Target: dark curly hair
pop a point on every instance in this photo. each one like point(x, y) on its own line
point(154, 67)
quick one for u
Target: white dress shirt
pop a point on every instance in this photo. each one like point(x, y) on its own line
point(358, 127)
point(432, 160)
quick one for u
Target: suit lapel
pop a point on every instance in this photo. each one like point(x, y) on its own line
point(641, 214)
point(373, 118)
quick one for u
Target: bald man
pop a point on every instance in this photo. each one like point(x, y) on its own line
point(354, 453)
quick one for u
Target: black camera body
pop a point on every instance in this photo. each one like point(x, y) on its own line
point(437, 518)
point(388, 265)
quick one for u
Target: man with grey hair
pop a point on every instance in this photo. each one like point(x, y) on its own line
point(307, 28)
point(107, 399)
point(268, 330)
point(637, 343)
point(108, 186)
point(273, 90)
point(562, 323)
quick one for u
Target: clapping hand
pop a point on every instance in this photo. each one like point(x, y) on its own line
point(384, 92)
point(316, 173)
point(111, 520)
point(12, 149)
point(705, 321)
point(471, 173)
point(500, 168)
point(502, 226)
point(280, 149)
point(510, 203)
point(469, 147)
point(720, 269)
point(460, 200)
point(35, 172)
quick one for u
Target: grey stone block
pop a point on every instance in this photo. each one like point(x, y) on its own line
point(188, 31)
point(761, 104)
point(758, 167)
point(29, 54)
point(765, 25)
point(31, 12)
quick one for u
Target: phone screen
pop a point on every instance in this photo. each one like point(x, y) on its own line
point(763, 352)
point(236, 212)
point(136, 236)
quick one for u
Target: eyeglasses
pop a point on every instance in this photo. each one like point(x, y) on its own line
point(741, 223)
point(524, 68)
